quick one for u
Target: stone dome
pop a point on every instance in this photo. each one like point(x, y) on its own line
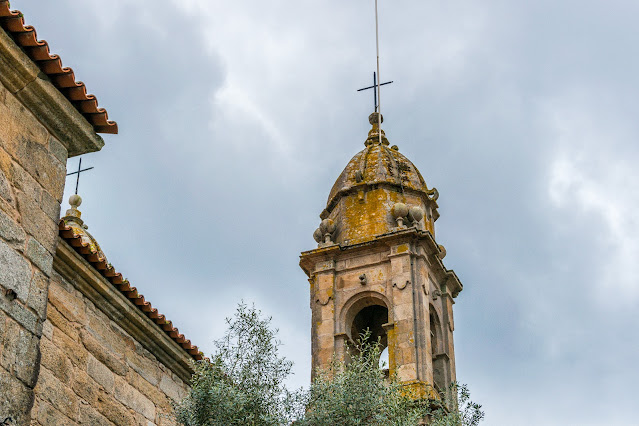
point(378, 164)
point(361, 204)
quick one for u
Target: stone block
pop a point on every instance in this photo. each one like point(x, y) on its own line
point(18, 124)
point(21, 353)
point(19, 178)
point(47, 329)
point(109, 333)
point(72, 348)
point(85, 387)
point(113, 410)
point(152, 392)
point(56, 361)
point(5, 187)
point(46, 414)
point(50, 206)
point(32, 153)
point(10, 231)
point(69, 303)
point(21, 315)
point(145, 367)
point(50, 389)
point(37, 299)
point(132, 398)
point(39, 256)
point(101, 374)
point(58, 150)
point(3, 328)
point(15, 273)
point(16, 399)
point(171, 388)
point(102, 353)
point(36, 223)
point(60, 323)
point(90, 416)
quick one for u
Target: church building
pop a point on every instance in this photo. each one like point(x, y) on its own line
point(378, 267)
point(79, 344)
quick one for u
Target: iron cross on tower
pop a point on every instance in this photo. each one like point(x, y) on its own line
point(80, 170)
point(374, 87)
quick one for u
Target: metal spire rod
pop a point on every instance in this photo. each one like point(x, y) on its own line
point(379, 97)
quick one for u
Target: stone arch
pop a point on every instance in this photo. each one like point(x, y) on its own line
point(356, 304)
point(366, 310)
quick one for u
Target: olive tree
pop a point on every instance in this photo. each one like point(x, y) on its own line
point(357, 392)
point(243, 382)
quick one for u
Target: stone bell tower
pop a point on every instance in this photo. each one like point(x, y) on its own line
point(378, 266)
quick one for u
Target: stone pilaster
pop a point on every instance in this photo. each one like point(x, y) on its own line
point(38, 126)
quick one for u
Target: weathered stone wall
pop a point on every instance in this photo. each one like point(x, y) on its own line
point(32, 173)
point(95, 373)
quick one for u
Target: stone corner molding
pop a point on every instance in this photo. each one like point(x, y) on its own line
point(32, 87)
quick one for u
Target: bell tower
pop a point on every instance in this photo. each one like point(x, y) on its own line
point(377, 265)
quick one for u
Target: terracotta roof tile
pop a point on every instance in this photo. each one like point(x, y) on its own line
point(62, 78)
point(123, 285)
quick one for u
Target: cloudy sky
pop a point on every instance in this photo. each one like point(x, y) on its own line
point(236, 118)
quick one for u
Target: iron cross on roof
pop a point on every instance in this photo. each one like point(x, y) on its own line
point(374, 87)
point(80, 170)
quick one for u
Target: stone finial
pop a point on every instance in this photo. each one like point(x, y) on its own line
point(317, 236)
point(73, 214)
point(399, 212)
point(327, 227)
point(415, 213)
point(373, 134)
point(75, 200)
point(373, 118)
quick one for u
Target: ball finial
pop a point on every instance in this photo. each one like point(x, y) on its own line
point(75, 200)
point(399, 210)
point(416, 213)
point(373, 118)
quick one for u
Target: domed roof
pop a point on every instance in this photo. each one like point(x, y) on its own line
point(375, 164)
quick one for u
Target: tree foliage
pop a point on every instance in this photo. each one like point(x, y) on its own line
point(243, 383)
point(357, 393)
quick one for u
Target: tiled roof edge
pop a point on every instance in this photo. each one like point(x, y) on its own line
point(62, 78)
point(123, 285)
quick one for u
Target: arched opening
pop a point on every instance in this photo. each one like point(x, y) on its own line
point(439, 357)
point(434, 333)
point(370, 321)
point(371, 318)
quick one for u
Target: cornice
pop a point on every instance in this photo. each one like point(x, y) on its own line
point(117, 307)
point(32, 87)
point(310, 258)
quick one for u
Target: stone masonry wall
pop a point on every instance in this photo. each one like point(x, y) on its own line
point(32, 174)
point(95, 373)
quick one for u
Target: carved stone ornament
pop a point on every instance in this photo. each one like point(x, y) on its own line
point(328, 299)
point(433, 194)
point(436, 294)
point(363, 280)
point(402, 287)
